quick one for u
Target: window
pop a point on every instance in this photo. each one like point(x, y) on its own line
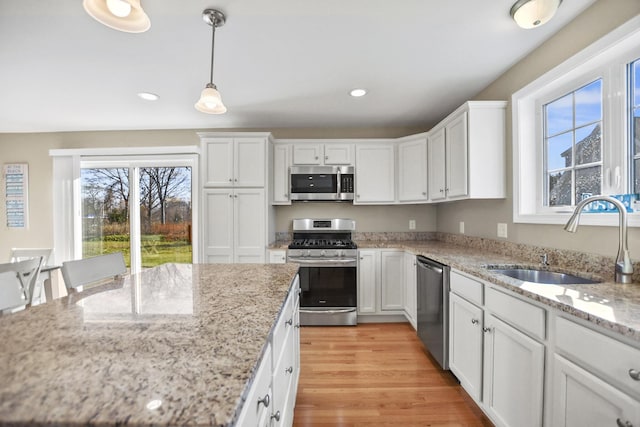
point(576, 132)
point(573, 146)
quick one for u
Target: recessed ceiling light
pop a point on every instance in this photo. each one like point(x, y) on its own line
point(358, 92)
point(148, 96)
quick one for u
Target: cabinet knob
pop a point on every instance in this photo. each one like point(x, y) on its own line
point(623, 423)
point(265, 401)
point(236, 180)
point(487, 330)
point(297, 326)
point(316, 157)
point(326, 157)
point(424, 193)
point(230, 180)
point(474, 321)
point(289, 322)
point(276, 416)
point(289, 370)
point(635, 374)
point(446, 189)
point(441, 190)
point(235, 195)
point(230, 195)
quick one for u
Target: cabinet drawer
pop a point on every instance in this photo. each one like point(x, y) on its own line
point(259, 397)
point(469, 289)
point(524, 316)
point(284, 325)
point(597, 352)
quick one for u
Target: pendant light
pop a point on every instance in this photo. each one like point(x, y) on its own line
point(210, 101)
point(121, 15)
point(534, 13)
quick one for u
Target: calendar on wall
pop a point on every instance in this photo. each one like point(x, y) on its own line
point(16, 181)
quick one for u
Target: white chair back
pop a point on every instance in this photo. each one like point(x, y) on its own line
point(87, 271)
point(22, 254)
point(26, 272)
point(11, 292)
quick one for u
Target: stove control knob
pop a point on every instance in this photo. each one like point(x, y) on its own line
point(340, 253)
point(323, 253)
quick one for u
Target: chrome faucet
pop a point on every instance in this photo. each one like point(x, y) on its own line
point(544, 260)
point(624, 267)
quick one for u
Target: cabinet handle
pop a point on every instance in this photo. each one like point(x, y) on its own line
point(635, 374)
point(289, 370)
point(623, 423)
point(289, 322)
point(236, 180)
point(265, 401)
point(474, 321)
point(230, 180)
point(488, 330)
point(276, 416)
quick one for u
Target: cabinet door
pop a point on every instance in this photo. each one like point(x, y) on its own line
point(436, 162)
point(219, 163)
point(412, 171)
point(457, 166)
point(277, 256)
point(410, 289)
point(375, 173)
point(281, 163)
point(581, 399)
point(250, 235)
point(338, 154)
point(465, 344)
point(392, 280)
point(367, 277)
point(249, 165)
point(218, 226)
point(514, 375)
point(307, 154)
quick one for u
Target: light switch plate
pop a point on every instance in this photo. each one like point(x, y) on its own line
point(461, 227)
point(502, 229)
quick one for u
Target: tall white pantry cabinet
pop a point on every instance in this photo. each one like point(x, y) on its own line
point(237, 220)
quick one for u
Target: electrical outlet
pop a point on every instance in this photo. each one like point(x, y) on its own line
point(461, 227)
point(502, 229)
point(412, 224)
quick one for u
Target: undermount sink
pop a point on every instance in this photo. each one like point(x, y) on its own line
point(544, 276)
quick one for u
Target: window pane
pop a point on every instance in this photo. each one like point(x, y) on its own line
point(559, 151)
point(636, 131)
point(105, 212)
point(165, 215)
point(588, 182)
point(589, 103)
point(588, 144)
point(636, 180)
point(560, 188)
point(636, 81)
point(559, 115)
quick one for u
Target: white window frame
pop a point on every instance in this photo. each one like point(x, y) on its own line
point(67, 209)
point(606, 58)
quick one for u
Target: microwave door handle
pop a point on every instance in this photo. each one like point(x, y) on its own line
point(339, 183)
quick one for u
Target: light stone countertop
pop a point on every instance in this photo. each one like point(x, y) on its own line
point(176, 345)
point(611, 305)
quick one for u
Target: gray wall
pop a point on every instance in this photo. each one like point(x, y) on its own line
point(481, 217)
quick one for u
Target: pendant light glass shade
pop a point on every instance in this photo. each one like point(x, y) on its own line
point(121, 15)
point(210, 101)
point(534, 13)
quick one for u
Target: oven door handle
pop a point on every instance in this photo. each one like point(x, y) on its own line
point(344, 310)
point(323, 262)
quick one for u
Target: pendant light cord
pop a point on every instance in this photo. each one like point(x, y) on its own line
point(213, 40)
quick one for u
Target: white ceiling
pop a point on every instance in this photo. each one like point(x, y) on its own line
point(278, 63)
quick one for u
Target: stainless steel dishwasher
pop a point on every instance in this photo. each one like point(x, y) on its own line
point(433, 308)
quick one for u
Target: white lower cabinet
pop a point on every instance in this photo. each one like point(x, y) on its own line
point(271, 398)
point(513, 375)
point(392, 280)
point(381, 281)
point(410, 289)
point(596, 379)
point(367, 280)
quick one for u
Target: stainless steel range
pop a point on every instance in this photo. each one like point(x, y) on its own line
point(328, 261)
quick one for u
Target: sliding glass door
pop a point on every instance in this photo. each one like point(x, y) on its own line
point(142, 208)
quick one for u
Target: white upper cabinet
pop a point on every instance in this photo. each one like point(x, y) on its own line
point(280, 173)
point(466, 153)
point(234, 161)
point(375, 173)
point(412, 170)
point(309, 153)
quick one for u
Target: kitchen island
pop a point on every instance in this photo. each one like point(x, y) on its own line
point(175, 345)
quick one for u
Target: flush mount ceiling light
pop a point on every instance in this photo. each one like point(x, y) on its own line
point(148, 96)
point(356, 93)
point(534, 13)
point(210, 101)
point(121, 15)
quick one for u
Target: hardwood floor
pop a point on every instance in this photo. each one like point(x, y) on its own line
point(376, 375)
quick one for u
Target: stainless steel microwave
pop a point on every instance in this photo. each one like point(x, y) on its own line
point(317, 183)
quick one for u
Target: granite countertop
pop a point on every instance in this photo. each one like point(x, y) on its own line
point(175, 345)
point(611, 305)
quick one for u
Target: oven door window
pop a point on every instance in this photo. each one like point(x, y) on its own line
point(328, 286)
point(314, 183)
